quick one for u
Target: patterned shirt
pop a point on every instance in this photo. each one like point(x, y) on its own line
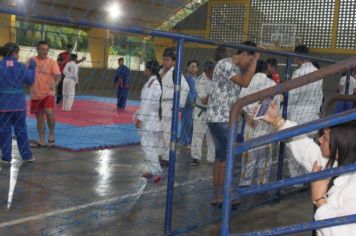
point(342, 85)
point(225, 92)
point(304, 102)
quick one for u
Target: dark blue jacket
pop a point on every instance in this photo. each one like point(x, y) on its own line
point(13, 76)
point(123, 74)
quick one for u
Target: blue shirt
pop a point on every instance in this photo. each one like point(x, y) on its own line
point(192, 95)
point(123, 74)
point(13, 76)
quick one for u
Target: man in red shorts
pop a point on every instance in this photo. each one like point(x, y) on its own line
point(42, 93)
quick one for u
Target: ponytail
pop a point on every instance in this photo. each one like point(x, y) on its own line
point(154, 67)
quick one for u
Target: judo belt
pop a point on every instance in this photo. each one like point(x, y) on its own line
point(10, 91)
point(202, 109)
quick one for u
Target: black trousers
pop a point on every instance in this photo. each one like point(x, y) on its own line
point(60, 90)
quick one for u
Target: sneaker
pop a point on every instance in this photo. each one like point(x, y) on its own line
point(195, 162)
point(32, 160)
point(147, 175)
point(156, 178)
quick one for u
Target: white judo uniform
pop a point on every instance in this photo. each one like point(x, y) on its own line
point(303, 106)
point(167, 105)
point(203, 88)
point(71, 78)
point(257, 162)
point(150, 132)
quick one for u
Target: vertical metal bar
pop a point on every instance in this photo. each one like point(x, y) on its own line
point(229, 179)
point(284, 114)
point(174, 129)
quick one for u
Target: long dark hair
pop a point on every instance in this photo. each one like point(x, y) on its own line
point(8, 49)
point(342, 144)
point(154, 67)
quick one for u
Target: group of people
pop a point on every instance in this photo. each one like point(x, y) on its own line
point(44, 75)
point(207, 99)
point(215, 91)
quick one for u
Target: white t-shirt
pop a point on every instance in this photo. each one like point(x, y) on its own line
point(342, 85)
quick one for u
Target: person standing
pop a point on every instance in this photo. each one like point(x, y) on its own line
point(148, 120)
point(71, 78)
point(303, 103)
point(257, 162)
point(228, 79)
point(122, 83)
point(62, 60)
point(168, 87)
point(13, 75)
point(272, 73)
point(187, 112)
point(48, 76)
point(200, 127)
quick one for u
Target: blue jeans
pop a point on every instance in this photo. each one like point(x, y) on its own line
point(219, 132)
point(16, 119)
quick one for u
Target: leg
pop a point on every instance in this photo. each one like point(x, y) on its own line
point(166, 127)
point(65, 94)
point(60, 90)
point(41, 128)
point(149, 143)
point(20, 128)
point(5, 135)
point(248, 167)
point(197, 140)
point(71, 94)
point(210, 143)
point(51, 122)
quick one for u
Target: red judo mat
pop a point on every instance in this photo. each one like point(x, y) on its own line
point(90, 113)
point(93, 123)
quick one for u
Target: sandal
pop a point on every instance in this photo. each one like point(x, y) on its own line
point(37, 145)
point(51, 143)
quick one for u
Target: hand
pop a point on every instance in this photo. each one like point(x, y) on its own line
point(320, 187)
point(31, 64)
point(272, 116)
point(138, 124)
point(205, 100)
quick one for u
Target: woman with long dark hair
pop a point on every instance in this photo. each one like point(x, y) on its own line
point(333, 197)
point(148, 120)
point(13, 76)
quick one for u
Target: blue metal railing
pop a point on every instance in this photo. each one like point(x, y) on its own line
point(181, 39)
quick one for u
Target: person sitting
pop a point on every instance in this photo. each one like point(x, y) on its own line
point(333, 197)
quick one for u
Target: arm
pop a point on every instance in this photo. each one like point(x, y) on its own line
point(245, 79)
point(183, 92)
point(149, 101)
point(30, 72)
point(304, 149)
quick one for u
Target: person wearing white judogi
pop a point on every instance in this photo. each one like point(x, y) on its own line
point(167, 74)
point(71, 78)
point(200, 127)
point(257, 162)
point(148, 120)
point(303, 104)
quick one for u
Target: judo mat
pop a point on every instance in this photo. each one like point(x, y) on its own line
point(93, 124)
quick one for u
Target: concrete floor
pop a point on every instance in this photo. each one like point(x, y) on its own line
point(103, 193)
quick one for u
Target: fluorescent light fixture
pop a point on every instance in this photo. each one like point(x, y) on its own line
point(114, 10)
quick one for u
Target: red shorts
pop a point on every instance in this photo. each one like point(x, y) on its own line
point(39, 106)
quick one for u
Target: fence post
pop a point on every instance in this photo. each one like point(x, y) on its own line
point(284, 114)
point(174, 129)
point(229, 180)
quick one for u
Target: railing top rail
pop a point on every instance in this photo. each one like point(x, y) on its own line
point(298, 130)
point(138, 30)
point(289, 85)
